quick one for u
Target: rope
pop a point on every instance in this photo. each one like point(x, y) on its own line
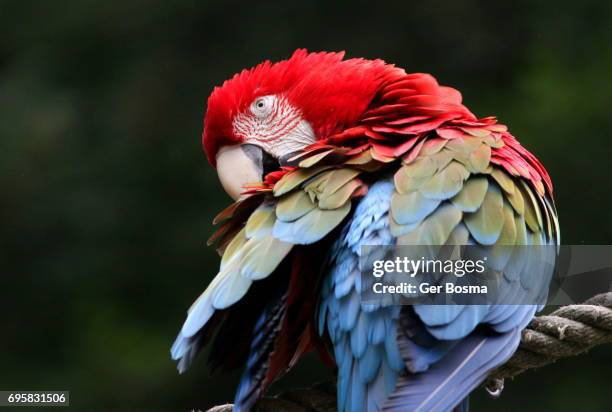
point(568, 331)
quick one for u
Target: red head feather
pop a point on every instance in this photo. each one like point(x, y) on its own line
point(331, 93)
point(348, 100)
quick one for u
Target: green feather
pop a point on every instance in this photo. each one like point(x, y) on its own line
point(446, 183)
point(459, 236)
point(432, 146)
point(533, 216)
point(479, 159)
point(435, 229)
point(312, 160)
point(405, 183)
point(340, 196)
point(486, 223)
point(295, 178)
point(411, 207)
point(338, 178)
point(503, 180)
point(312, 226)
point(262, 257)
point(422, 167)
point(398, 230)
point(233, 248)
point(293, 206)
point(464, 145)
point(260, 222)
point(471, 196)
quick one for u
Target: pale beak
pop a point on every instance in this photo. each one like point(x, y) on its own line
point(240, 165)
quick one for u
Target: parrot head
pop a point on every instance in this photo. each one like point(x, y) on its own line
point(263, 116)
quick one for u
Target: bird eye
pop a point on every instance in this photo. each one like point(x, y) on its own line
point(262, 106)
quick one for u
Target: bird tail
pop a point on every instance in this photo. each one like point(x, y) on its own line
point(264, 335)
point(447, 382)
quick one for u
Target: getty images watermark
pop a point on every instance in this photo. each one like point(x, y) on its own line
point(423, 266)
point(479, 275)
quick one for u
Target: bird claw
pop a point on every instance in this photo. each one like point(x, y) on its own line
point(495, 387)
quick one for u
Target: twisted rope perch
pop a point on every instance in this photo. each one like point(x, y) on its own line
point(568, 331)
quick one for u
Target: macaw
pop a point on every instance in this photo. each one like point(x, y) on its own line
point(323, 155)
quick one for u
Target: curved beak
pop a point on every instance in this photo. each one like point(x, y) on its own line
point(240, 165)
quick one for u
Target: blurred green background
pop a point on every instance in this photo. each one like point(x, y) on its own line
point(107, 199)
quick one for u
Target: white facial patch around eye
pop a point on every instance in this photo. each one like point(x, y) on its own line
point(273, 124)
point(263, 106)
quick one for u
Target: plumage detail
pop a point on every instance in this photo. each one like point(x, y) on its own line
point(411, 207)
point(340, 196)
point(312, 226)
point(471, 196)
point(503, 180)
point(446, 183)
point(432, 146)
point(406, 184)
point(435, 229)
point(294, 178)
point(312, 160)
point(533, 215)
point(233, 248)
point(465, 144)
point(447, 381)
point(486, 223)
point(263, 257)
point(398, 159)
point(422, 167)
point(230, 288)
point(516, 200)
point(478, 160)
point(293, 206)
point(260, 222)
point(328, 182)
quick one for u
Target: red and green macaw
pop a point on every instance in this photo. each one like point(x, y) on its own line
point(323, 155)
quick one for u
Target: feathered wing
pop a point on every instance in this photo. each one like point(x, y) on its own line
point(480, 204)
point(264, 335)
point(446, 191)
point(483, 206)
point(455, 180)
point(449, 380)
point(264, 293)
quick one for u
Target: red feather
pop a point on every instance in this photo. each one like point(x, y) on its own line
point(298, 335)
point(358, 103)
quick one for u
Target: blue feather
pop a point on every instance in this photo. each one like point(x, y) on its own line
point(459, 328)
point(344, 380)
point(358, 390)
point(370, 363)
point(441, 355)
point(447, 382)
point(359, 336)
point(363, 334)
point(348, 311)
point(377, 330)
point(394, 357)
